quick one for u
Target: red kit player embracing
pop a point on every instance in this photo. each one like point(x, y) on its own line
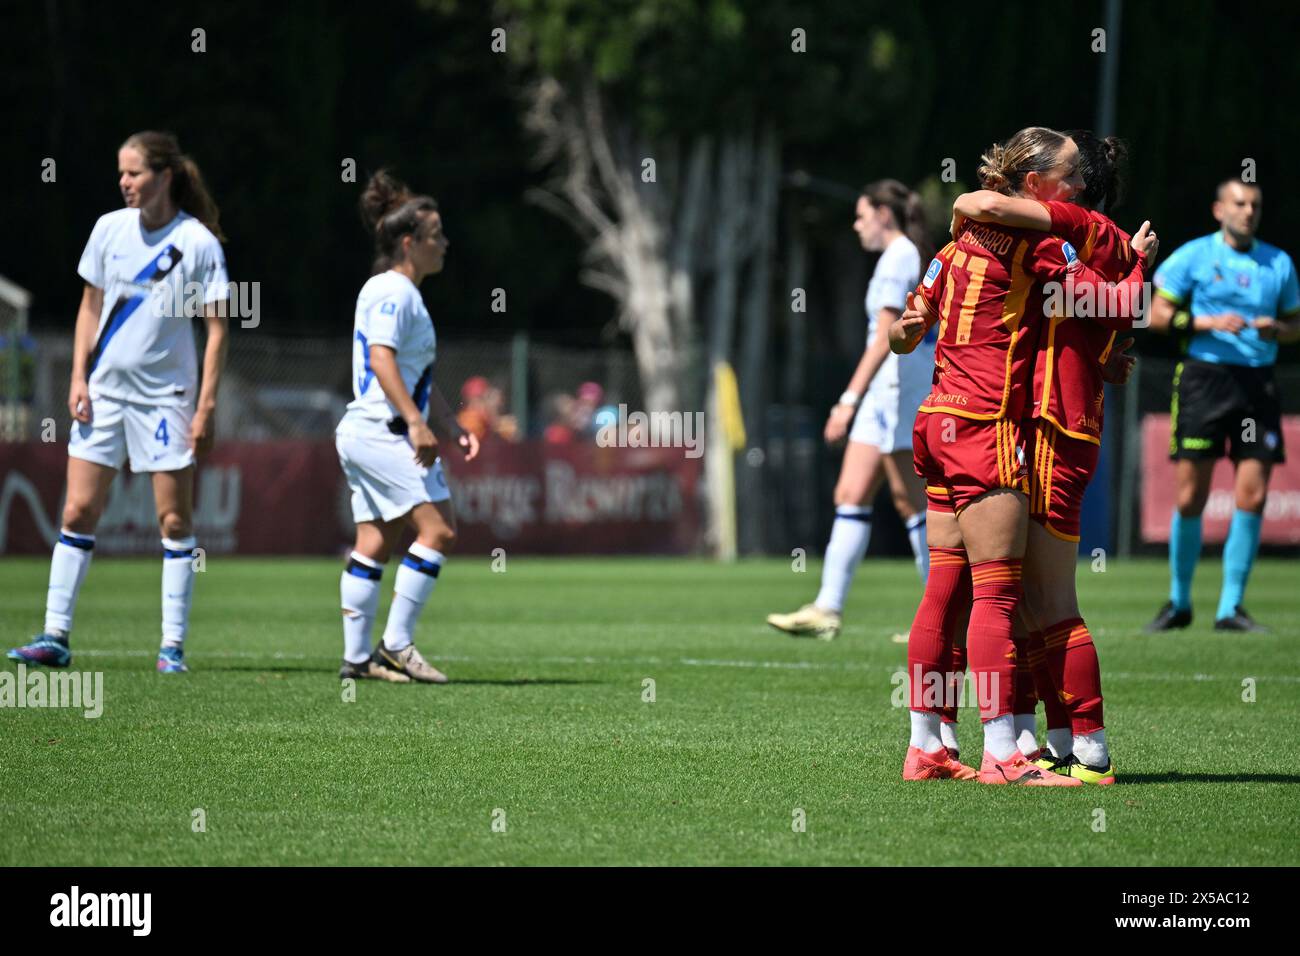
point(987, 291)
point(1076, 356)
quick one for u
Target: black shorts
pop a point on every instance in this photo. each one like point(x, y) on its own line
point(1217, 403)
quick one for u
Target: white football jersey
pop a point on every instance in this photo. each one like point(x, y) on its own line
point(144, 348)
point(390, 312)
point(897, 272)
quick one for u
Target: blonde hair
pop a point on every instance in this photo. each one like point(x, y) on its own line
point(189, 192)
point(1035, 149)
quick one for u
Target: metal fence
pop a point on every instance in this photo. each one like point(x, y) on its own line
point(277, 388)
point(283, 388)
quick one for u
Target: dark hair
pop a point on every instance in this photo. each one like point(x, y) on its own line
point(1102, 164)
point(906, 208)
point(162, 151)
point(1035, 149)
point(1224, 184)
point(391, 211)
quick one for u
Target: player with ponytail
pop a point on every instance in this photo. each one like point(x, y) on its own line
point(880, 403)
point(135, 392)
point(387, 449)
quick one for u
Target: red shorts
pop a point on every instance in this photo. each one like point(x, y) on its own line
point(1059, 471)
point(962, 458)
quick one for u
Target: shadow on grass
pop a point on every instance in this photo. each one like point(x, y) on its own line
point(1173, 776)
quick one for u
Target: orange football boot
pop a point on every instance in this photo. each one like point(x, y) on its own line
point(920, 765)
point(1016, 769)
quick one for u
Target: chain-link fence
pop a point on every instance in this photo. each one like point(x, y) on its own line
point(277, 388)
point(283, 388)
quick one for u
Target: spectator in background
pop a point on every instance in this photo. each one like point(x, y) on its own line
point(559, 408)
point(582, 412)
point(480, 413)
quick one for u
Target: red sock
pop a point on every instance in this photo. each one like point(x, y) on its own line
point(1026, 699)
point(1072, 661)
point(956, 672)
point(1058, 715)
point(995, 587)
point(930, 640)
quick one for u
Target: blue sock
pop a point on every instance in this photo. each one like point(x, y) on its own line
point(1238, 556)
point(1184, 552)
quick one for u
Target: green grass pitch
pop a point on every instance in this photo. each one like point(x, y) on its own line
point(545, 728)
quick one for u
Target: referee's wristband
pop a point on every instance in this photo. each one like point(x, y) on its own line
point(1182, 325)
point(850, 398)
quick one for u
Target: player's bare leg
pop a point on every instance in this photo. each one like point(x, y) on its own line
point(907, 489)
point(88, 487)
point(860, 479)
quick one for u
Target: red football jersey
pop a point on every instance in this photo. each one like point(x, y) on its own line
point(986, 291)
point(1068, 387)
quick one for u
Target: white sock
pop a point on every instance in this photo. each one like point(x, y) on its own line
point(1060, 741)
point(925, 731)
point(850, 535)
point(1000, 737)
point(916, 537)
point(415, 580)
point(948, 733)
point(1091, 749)
point(177, 587)
point(72, 554)
point(1026, 733)
point(359, 594)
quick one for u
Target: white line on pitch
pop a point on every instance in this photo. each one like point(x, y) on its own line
point(686, 661)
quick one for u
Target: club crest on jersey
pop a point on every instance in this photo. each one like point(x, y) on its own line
point(932, 273)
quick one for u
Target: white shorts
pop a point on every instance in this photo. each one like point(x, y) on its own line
point(386, 480)
point(154, 437)
point(885, 419)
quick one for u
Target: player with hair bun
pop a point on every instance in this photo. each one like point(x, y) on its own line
point(135, 392)
point(987, 290)
point(387, 449)
point(1076, 356)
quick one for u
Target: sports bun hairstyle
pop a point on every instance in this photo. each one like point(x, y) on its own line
point(189, 193)
point(1102, 163)
point(907, 209)
point(391, 211)
point(1032, 150)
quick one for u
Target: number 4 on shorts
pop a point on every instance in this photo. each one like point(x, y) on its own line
point(161, 433)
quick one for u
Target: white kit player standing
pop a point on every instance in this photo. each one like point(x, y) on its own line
point(135, 387)
point(889, 220)
point(388, 452)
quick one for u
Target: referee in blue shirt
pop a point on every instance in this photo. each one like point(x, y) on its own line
point(1232, 298)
